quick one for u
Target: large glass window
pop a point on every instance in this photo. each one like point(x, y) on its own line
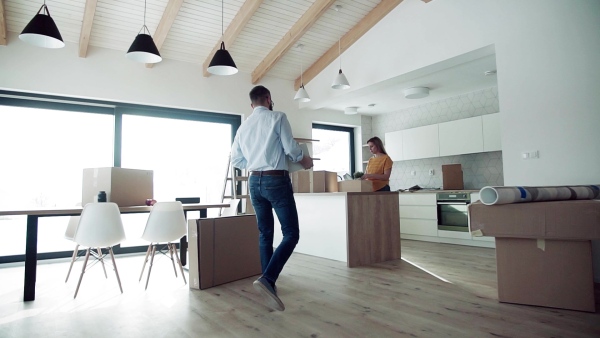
point(43, 154)
point(335, 148)
point(46, 142)
point(188, 159)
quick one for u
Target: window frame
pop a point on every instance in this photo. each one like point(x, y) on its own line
point(117, 110)
point(350, 131)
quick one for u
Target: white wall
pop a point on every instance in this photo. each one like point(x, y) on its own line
point(107, 75)
point(547, 54)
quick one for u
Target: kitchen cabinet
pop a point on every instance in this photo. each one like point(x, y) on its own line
point(393, 145)
point(461, 137)
point(421, 142)
point(492, 132)
point(418, 214)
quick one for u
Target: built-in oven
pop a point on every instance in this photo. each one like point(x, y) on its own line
point(452, 211)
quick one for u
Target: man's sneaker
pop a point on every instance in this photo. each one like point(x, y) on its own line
point(264, 287)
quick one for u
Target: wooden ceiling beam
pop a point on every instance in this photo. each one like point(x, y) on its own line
point(355, 33)
point(86, 27)
point(3, 32)
point(234, 29)
point(165, 24)
point(316, 10)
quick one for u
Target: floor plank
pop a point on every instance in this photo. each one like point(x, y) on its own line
point(436, 290)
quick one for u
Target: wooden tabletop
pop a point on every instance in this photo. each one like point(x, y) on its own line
point(77, 210)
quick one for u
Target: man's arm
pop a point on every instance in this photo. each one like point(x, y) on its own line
point(237, 158)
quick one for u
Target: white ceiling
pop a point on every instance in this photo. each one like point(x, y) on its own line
point(453, 77)
point(197, 29)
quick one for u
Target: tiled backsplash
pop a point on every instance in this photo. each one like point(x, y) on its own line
point(480, 170)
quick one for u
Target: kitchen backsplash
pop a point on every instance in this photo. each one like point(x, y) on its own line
point(480, 170)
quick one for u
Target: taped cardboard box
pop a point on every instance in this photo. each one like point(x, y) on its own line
point(543, 250)
point(222, 250)
point(452, 177)
point(126, 187)
point(309, 181)
point(355, 186)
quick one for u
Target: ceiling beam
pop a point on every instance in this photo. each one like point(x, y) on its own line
point(234, 29)
point(165, 24)
point(3, 41)
point(355, 33)
point(303, 24)
point(86, 27)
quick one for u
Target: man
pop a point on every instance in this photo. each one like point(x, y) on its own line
point(262, 144)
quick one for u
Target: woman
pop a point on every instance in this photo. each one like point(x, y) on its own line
point(379, 167)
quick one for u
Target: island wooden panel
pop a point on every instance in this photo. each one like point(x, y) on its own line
point(373, 228)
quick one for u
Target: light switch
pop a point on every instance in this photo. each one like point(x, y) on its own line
point(431, 172)
point(413, 173)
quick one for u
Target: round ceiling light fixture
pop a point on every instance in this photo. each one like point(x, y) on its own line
point(351, 110)
point(416, 92)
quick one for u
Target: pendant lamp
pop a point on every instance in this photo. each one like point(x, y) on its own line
point(143, 48)
point(302, 94)
point(340, 81)
point(222, 62)
point(41, 31)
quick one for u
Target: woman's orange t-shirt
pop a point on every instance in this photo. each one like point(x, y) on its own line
point(377, 165)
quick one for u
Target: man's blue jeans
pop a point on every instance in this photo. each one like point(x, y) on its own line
point(268, 193)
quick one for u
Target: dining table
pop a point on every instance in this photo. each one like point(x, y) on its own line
point(31, 241)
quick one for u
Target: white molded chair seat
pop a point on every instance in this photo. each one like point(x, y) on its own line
point(100, 226)
point(166, 223)
point(231, 210)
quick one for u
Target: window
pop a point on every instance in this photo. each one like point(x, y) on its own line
point(43, 154)
point(335, 148)
point(46, 142)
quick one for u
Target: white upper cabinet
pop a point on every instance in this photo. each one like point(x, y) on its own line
point(461, 137)
point(393, 145)
point(422, 142)
point(492, 139)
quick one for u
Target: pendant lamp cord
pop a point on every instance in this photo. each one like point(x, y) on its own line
point(301, 80)
point(340, 38)
point(222, 18)
point(144, 13)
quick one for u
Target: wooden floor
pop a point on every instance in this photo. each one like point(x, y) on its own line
point(437, 290)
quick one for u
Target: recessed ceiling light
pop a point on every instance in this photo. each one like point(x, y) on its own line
point(490, 72)
point(416, 92)
point(372, 105)
point(351, 110)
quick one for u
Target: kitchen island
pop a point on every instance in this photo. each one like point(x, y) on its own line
point(359, 228)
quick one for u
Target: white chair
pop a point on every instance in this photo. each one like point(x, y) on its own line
point(166, 223)
point(70, 235)
point(100, 226)
point(231, 210)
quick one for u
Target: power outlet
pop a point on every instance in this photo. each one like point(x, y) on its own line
point(431, 172)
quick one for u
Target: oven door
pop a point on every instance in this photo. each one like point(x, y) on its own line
point(452, 216)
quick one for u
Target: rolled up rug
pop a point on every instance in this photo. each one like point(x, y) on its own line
point(507, 195)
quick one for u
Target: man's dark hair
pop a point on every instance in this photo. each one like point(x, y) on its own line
point(258, 94)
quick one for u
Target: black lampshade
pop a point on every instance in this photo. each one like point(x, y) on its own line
point(41, 31)
point(144, 50)
point(222, 63)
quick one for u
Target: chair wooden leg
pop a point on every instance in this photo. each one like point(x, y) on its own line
point(112, 256)
point(145, 261)
point(150, 267)
point(179, 262)
point(72, 261)
point(171, 248)
point(87, 256)
point(99, 250)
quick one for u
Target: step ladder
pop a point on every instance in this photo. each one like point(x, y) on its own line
point(235, 186)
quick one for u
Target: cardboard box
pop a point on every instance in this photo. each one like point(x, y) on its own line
point(355, 186)
point(222, 250)
point(543, 250)
point(309, 181)
point(574, 220)
point(550, 273)
point(126, 187)
point(452, 177)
